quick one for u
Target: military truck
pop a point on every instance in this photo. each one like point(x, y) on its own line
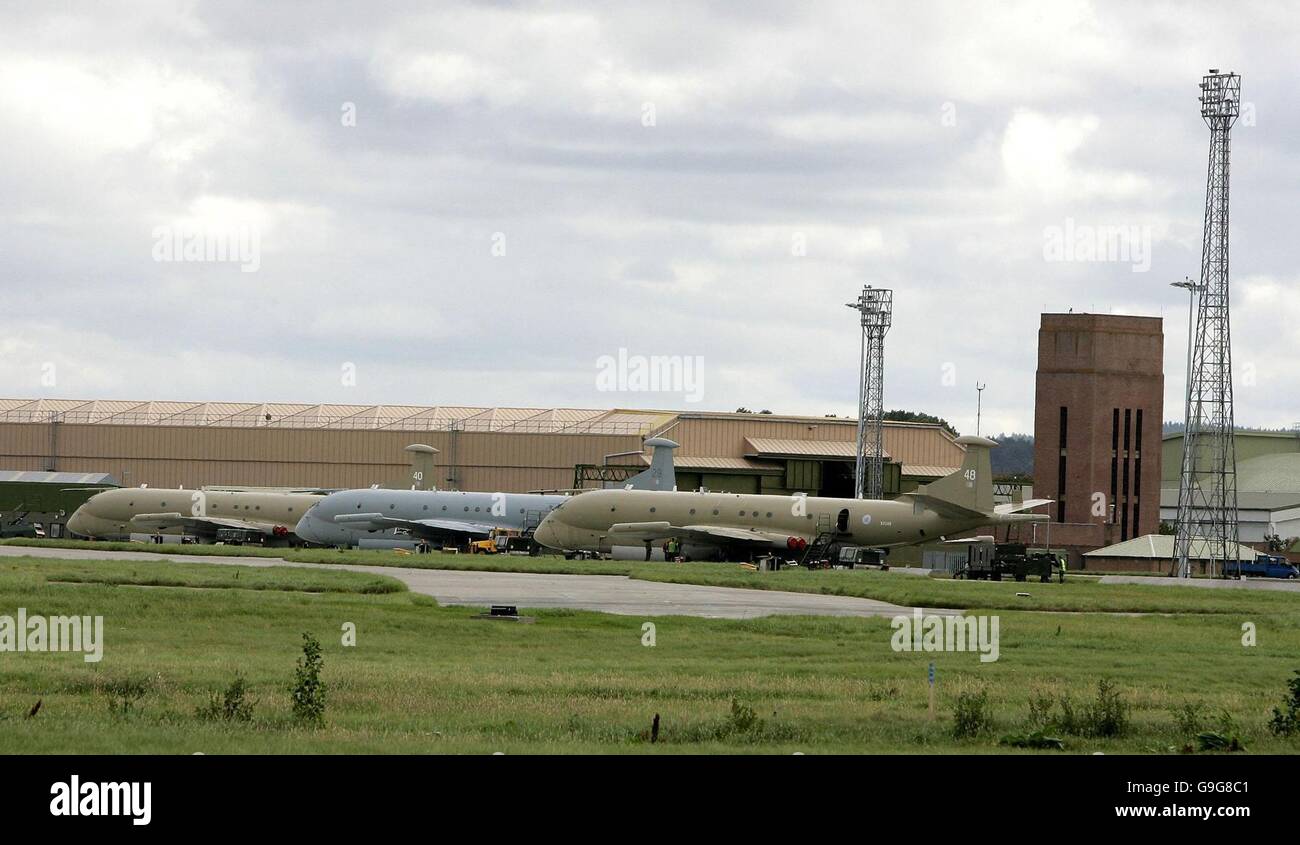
point(989, 561)
point(860, 557)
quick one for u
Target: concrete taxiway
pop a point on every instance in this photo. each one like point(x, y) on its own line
point(603, 593)
point(1209, 583)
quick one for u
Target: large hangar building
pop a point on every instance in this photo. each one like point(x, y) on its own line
point(192, 444)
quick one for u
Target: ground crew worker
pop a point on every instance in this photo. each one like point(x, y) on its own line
point(1062, 559)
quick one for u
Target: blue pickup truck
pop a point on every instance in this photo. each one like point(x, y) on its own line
point(1263, 566)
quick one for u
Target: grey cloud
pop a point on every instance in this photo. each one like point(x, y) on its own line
point(673, 239)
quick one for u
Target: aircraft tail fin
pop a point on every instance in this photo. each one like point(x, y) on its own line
point(970, 487)
point(421, 476)
point(660, 475)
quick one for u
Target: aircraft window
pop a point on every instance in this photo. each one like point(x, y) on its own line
point(467, 509)
point(692, 511)
point(257, 507)
point(392, 507)
point(358, 506)
point(611, 510)
point(476, 510)
point(131, 504)
point(521, 510)
point(769, 514)
point(652, 510)
point(164, 504)
point(426, 507)
point(291, 510)
point(742, 513)
point(444, 507)
point(715, 511)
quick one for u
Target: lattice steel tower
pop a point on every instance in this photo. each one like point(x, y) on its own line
point(875, 307)
point(1207, 492)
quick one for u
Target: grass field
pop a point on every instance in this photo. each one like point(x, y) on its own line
point(424, 678)
point(1083, 594)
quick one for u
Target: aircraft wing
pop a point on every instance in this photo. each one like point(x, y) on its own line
point(718, 535)
point(431, 529)
point(1016, 507)
point(196, 524)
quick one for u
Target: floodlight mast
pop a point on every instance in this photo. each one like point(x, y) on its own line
point(875, 307)
point(1206, 526)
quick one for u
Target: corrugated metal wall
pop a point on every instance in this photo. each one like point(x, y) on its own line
point(168, 456)
point(923, 445)
point(163, 456)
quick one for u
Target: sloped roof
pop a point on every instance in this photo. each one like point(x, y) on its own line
point(1160, 547)
point(300, 415)
point(41, 477)
point(921, 471)
point(725, 463)
point(831, 449)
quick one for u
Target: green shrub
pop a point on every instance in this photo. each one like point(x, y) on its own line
point(971, 717)
point(1286, 719)
point(1108, 714)
point(229, 706)
point(1225, 738)
point(741, 724)
point(1188, 719)
point(743, 719)
point(123, 693)
point(1040, 709)
point(308, 688)
point(1068, 721)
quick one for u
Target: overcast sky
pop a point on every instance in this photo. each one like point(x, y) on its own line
point(472, 204)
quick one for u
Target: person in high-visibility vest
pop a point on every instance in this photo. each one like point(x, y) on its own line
point(1062, 559)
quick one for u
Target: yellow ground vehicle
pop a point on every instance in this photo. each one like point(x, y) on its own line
point(484, 547)
point(502, 541)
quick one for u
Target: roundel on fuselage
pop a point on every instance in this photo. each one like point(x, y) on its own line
point(866, 519)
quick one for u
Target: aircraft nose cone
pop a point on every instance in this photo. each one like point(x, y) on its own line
point(547, 535)
point(308, 528)
point(77, 523)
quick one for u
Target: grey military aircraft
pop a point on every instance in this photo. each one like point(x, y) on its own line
point(375, 518)
point(727, 524)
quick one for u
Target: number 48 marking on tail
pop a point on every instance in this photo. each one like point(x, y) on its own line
point(970, 475)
